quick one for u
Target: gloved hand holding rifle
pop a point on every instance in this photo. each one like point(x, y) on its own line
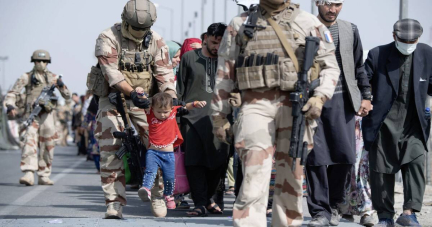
point(131, 143)
point(43, 102)
point(304, 107)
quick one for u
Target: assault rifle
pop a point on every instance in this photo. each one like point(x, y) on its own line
point(299, 98)
point(131, 143)
point(45, 97)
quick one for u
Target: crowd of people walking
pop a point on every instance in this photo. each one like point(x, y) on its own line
point(221, 106)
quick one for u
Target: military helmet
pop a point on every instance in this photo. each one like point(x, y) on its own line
point(42, 55)
point(140, 14)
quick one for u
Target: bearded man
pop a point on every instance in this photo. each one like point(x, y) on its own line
point(330, 163)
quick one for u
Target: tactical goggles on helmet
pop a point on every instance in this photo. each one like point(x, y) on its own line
point(140, 29)
point(44, 61)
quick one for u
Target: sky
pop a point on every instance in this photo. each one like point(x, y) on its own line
point(68, 28)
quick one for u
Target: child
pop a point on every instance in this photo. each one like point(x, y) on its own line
point(164, 135)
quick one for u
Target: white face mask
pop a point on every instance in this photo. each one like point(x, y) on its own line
point(405, 48)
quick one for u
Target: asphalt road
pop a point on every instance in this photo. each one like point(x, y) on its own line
point(76, 199)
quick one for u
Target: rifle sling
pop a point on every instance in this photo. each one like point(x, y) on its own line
point(282, 37)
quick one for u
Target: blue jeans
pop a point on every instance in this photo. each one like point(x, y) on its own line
point(165, 161)
point(96, 159)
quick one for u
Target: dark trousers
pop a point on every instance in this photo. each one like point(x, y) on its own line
point(203, 183)
point(238, 173)
point(326, 187)
point(382, 188)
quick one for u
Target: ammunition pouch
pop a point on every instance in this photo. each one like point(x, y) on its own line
point(133, 67)
point(257, 69)
point(96, 83)
point(138, 79)
point(280, 74)
point(288, 75)
point(250, 77)
point(136, 68)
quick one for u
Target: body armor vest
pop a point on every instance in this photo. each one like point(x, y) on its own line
point(263, 61)
point(136, 64)
point(33, 90)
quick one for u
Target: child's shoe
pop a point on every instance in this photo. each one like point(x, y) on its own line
point(170, 202)
point(144, 194)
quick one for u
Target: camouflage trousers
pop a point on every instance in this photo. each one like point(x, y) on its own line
point(265, 122)
point(42, 133)
point(111, 168)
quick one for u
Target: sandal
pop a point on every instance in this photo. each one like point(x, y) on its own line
point(199, 212)
point(230, 191)
point(214, 209)
point(183, 205)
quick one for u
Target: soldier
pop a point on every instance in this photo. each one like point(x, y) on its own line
point(130, 54)
point(42, 132)
point(265, 117)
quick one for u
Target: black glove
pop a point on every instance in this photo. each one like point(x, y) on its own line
point(60, 83)
point(139, 102)
point(9, 108)
point(177, 102)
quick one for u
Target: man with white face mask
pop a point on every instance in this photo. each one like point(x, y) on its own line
point(396, 131)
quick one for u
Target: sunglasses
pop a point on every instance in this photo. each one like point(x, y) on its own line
point(140, 29)
point(44, 61)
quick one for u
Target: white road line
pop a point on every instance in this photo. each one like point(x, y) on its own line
point(21, 201)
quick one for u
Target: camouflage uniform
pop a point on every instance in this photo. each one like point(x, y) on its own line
point(42, 132)
point(108, 48)
point(265, 121)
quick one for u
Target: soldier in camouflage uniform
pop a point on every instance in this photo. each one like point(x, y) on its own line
point(265, 117)
point(130, 55)
point(42, 131)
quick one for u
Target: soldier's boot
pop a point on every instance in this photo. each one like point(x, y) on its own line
point(114, 211)
point(158, 207)
point(45, 181)
point(28, 178)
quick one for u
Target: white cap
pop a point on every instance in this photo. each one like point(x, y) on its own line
point(322, 2)
point(247, 3)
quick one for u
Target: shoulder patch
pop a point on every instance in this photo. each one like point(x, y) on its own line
point(328, 37)
point(325, 34)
